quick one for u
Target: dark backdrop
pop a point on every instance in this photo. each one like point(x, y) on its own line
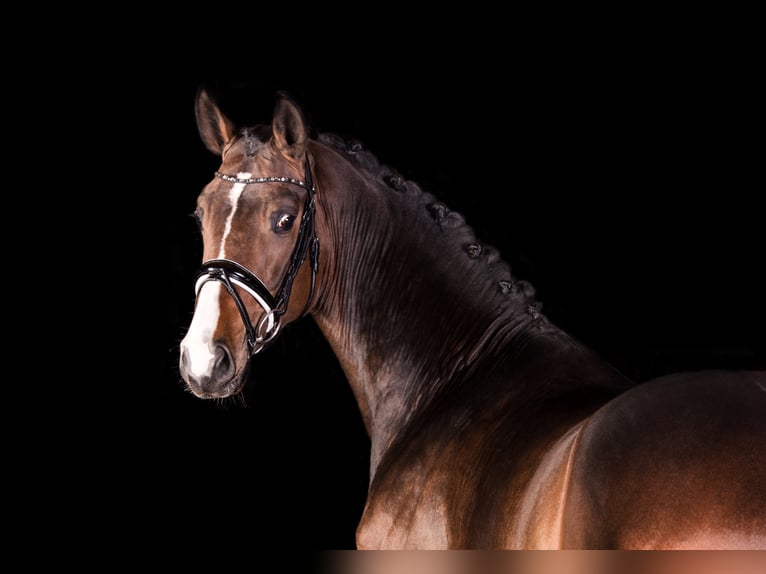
point(621, 184)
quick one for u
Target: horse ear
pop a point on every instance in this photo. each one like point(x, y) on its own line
point(215, 129)
point(289, 127)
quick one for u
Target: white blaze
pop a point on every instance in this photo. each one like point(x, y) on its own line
point(198, 342)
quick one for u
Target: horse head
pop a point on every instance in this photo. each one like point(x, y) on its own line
point(259, 245)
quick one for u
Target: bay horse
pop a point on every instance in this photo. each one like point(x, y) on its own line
point(490, 427)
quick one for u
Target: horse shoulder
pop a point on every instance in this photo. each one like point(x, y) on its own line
point(448, 486)
point(674, 462)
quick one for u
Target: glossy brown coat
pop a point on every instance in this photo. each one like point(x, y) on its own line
point(490, 427)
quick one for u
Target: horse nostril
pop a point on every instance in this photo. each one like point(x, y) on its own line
point(223, 366)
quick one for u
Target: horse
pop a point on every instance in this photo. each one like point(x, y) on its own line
point(490, 427)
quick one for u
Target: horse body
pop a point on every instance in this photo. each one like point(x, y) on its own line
point(676, 462)
point(662, 465)
point(489, 426)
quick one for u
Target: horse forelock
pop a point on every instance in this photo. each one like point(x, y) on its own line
point(254, 138)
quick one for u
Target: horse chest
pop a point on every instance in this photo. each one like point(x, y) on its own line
point(407, 508)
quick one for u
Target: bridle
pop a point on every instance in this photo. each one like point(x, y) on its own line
point(230, 273)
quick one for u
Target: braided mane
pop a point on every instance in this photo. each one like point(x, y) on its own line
point(448, 221)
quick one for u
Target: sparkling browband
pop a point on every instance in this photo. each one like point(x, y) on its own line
point(232, 179)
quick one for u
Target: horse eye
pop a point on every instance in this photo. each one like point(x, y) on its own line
point(284, 223)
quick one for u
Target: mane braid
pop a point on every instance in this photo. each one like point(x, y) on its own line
point(520, 290)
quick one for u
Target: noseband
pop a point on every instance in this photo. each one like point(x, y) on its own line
point(230, 273)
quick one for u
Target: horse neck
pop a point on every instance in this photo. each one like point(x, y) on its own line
point(409, 301)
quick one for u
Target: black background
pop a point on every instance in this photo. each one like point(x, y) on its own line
point(619, 177)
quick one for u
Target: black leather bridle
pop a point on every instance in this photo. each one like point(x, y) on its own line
point(230, 273)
